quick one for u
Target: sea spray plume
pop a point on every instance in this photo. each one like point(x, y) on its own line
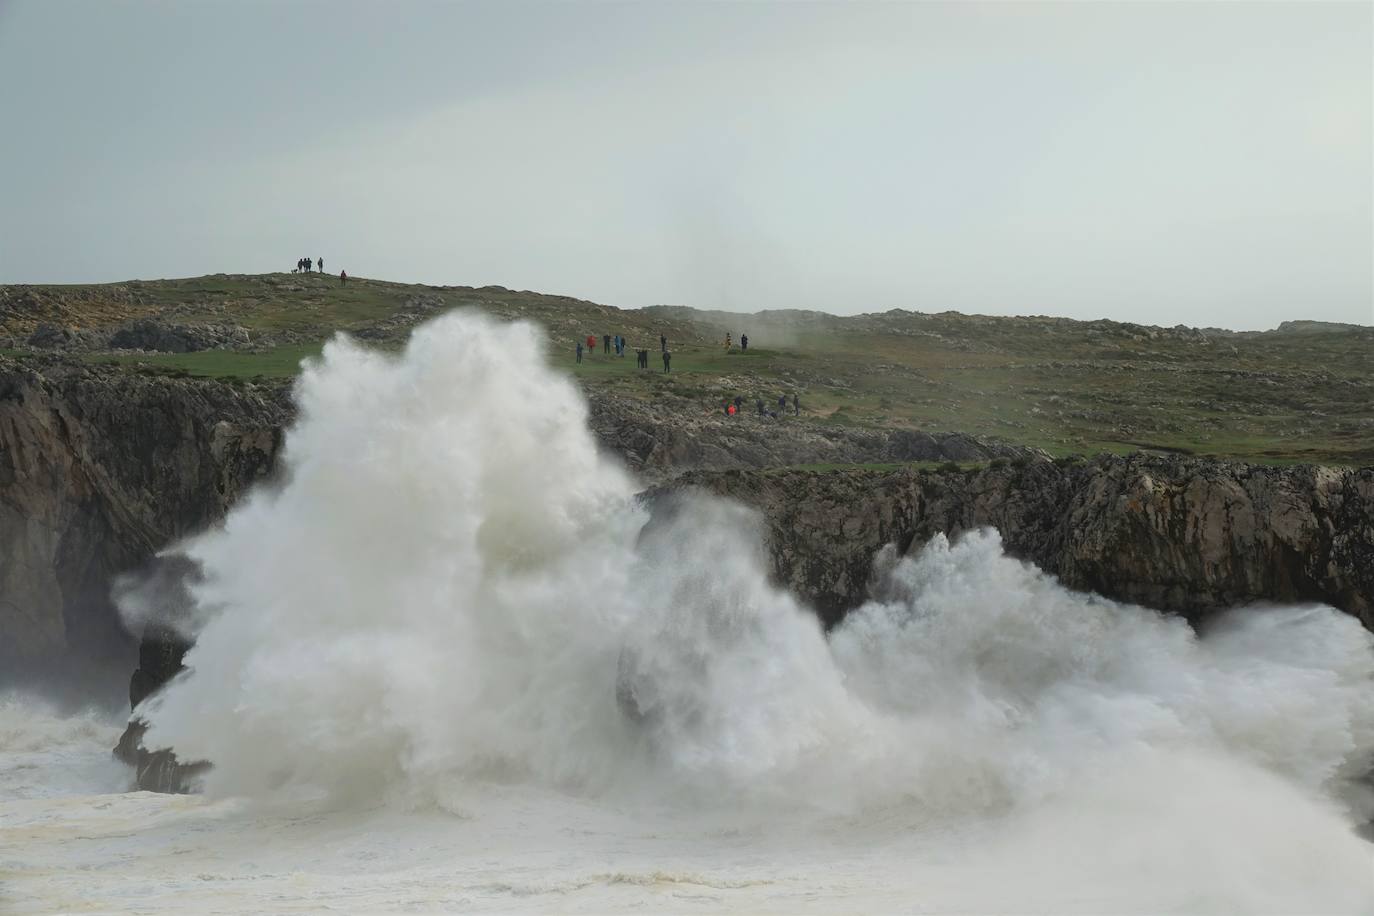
point(732, 679)
point(424, 591)
point(159, 594)
point(1034, 686)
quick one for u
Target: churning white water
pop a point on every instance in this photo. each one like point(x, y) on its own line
point(449, 663)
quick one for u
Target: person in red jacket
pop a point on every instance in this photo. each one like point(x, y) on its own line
point(591, 343)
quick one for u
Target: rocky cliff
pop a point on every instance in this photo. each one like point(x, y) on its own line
point(98, 470)
point(1184, 535)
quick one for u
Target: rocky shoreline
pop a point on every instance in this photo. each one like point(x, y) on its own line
point(102, 468)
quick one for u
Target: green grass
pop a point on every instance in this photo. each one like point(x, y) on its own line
point(1067, 387)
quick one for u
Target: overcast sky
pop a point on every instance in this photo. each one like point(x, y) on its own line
point(1204, 163)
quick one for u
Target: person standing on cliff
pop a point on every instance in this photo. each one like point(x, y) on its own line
point(663, 343)
point(343, 277)
point(319, 264)
point(579, 351)
point(667, 361)
point(796, 405)
point(782, 404)
point(605, 344)
point(591, 343)
point(744, 341)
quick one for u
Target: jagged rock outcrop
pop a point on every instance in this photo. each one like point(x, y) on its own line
point(659, 441)
point(52, 337)
point(160, 654)
point(144, 334)
point(1184, 535)
point(147, 334)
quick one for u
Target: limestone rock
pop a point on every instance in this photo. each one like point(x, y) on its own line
point(98, 470)
point(1185, 535)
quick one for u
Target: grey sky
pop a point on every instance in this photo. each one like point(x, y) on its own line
point(1156, 162)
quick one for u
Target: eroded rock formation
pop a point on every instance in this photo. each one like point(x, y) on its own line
point(1184, 535)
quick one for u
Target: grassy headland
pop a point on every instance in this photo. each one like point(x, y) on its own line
point(1300, 393)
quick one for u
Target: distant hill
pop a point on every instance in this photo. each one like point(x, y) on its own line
point(1318, 327)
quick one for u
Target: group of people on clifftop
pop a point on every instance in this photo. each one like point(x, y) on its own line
point(617, 344)
point(305, 266)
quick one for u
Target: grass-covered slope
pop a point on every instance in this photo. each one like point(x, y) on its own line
point(1302, 393)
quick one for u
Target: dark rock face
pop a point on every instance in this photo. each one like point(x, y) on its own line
point(1184, 535)
point(98, 471)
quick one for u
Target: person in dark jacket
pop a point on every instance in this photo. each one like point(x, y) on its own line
point(663, 343)
point(744, 341)
point(796, 405)
point(343, 277)
point(667, 361)
point(579, 351)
